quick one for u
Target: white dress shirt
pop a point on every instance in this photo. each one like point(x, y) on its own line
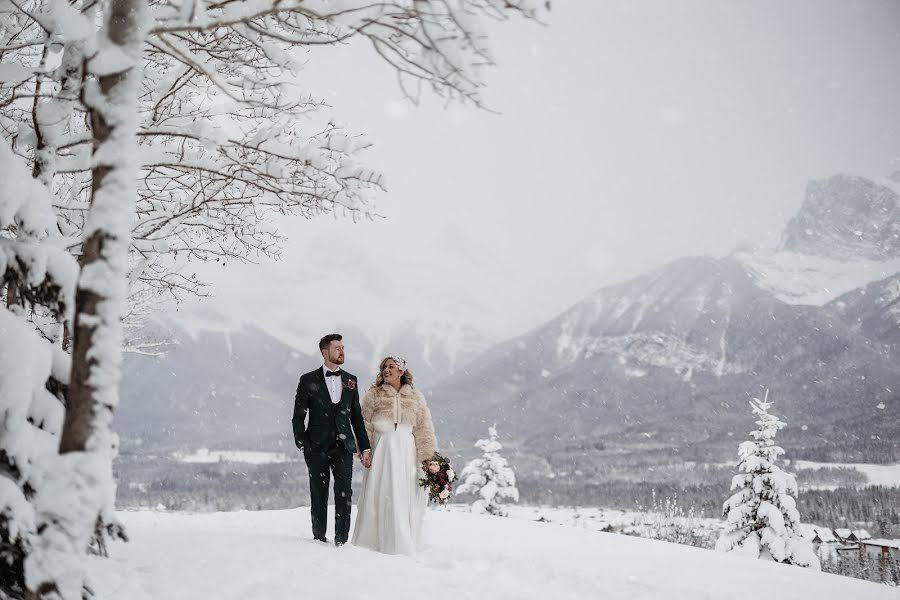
point(335, 385)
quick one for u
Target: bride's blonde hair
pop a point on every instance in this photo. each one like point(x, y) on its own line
point(405, 379)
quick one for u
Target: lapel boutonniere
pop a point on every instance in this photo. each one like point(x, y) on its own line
point(350, 384)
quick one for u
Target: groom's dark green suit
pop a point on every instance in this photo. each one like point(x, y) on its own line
point(328, 441)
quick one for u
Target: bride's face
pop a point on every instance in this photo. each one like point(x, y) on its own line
point(390, 373)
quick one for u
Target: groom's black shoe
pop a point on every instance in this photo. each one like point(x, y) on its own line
point(338, 544)
point(321, 539)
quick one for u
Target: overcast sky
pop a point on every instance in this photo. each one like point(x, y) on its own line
point(631, 134)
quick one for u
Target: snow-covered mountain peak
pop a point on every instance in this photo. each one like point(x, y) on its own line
point(797, 278)
point(846, 218)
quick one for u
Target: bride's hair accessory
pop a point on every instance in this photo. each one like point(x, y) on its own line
point(401, 364)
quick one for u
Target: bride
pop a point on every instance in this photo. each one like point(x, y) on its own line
point(391, 506)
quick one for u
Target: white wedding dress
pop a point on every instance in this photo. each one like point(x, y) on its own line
point(391, 505)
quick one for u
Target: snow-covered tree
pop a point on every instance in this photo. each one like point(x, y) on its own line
point(33, 371)
point(227, 134)
point(139, 136)
point(761, 518)
point(77, 488)
point(489, 478)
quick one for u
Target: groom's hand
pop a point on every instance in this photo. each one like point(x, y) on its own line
point(366, 457)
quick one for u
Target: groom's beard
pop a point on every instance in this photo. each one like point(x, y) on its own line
point(337, 360)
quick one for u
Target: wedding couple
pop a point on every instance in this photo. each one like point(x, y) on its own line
point(394, 416)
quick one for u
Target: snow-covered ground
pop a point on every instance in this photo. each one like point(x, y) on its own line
point(205, 455)
point(270, 556)
point(603, 519)
point(886, 475)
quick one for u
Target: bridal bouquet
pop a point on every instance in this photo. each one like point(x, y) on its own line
point(438, 480)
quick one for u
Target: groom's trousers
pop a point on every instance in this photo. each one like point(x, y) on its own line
point(338, 462)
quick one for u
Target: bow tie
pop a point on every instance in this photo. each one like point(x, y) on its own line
point(332, 373)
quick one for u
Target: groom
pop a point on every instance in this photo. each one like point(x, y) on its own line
point(331, 398)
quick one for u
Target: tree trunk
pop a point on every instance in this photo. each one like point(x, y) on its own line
point(12, 296)
point(104, 251)
point(83, 470)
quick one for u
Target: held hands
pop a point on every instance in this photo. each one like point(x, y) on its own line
point(366, 457)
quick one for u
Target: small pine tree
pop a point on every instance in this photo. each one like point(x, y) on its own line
point(761, 518)
point(489, 478)
point(884, 527)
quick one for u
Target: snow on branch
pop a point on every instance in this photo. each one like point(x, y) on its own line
point(43, 275)
point(439, 43)
point(24, 202)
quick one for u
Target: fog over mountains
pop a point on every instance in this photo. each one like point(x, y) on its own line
point(227, 385)
point(664, 360)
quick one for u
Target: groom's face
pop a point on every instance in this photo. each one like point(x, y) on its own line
point(334, 353)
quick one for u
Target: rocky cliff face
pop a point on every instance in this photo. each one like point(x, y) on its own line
point(874, 311)
point(846, 218)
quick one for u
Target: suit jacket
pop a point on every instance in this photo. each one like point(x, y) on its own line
point(328, 420)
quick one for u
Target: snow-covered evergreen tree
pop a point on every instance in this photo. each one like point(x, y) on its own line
point(761, 517)
point(489, 478)
point(33, 370)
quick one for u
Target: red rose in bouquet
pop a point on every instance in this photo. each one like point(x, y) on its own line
point(438, 480)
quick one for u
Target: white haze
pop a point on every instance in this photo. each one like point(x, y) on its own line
point(630, 134)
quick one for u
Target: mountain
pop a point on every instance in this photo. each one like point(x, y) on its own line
point(666, 361)
point(660, 364)
point(211, 387)
point(846, 218)
point(436, 348)
point(874, 310)
point(227, 385)
point(433, 312)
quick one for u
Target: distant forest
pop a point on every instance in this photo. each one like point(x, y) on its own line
point(225, 486)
